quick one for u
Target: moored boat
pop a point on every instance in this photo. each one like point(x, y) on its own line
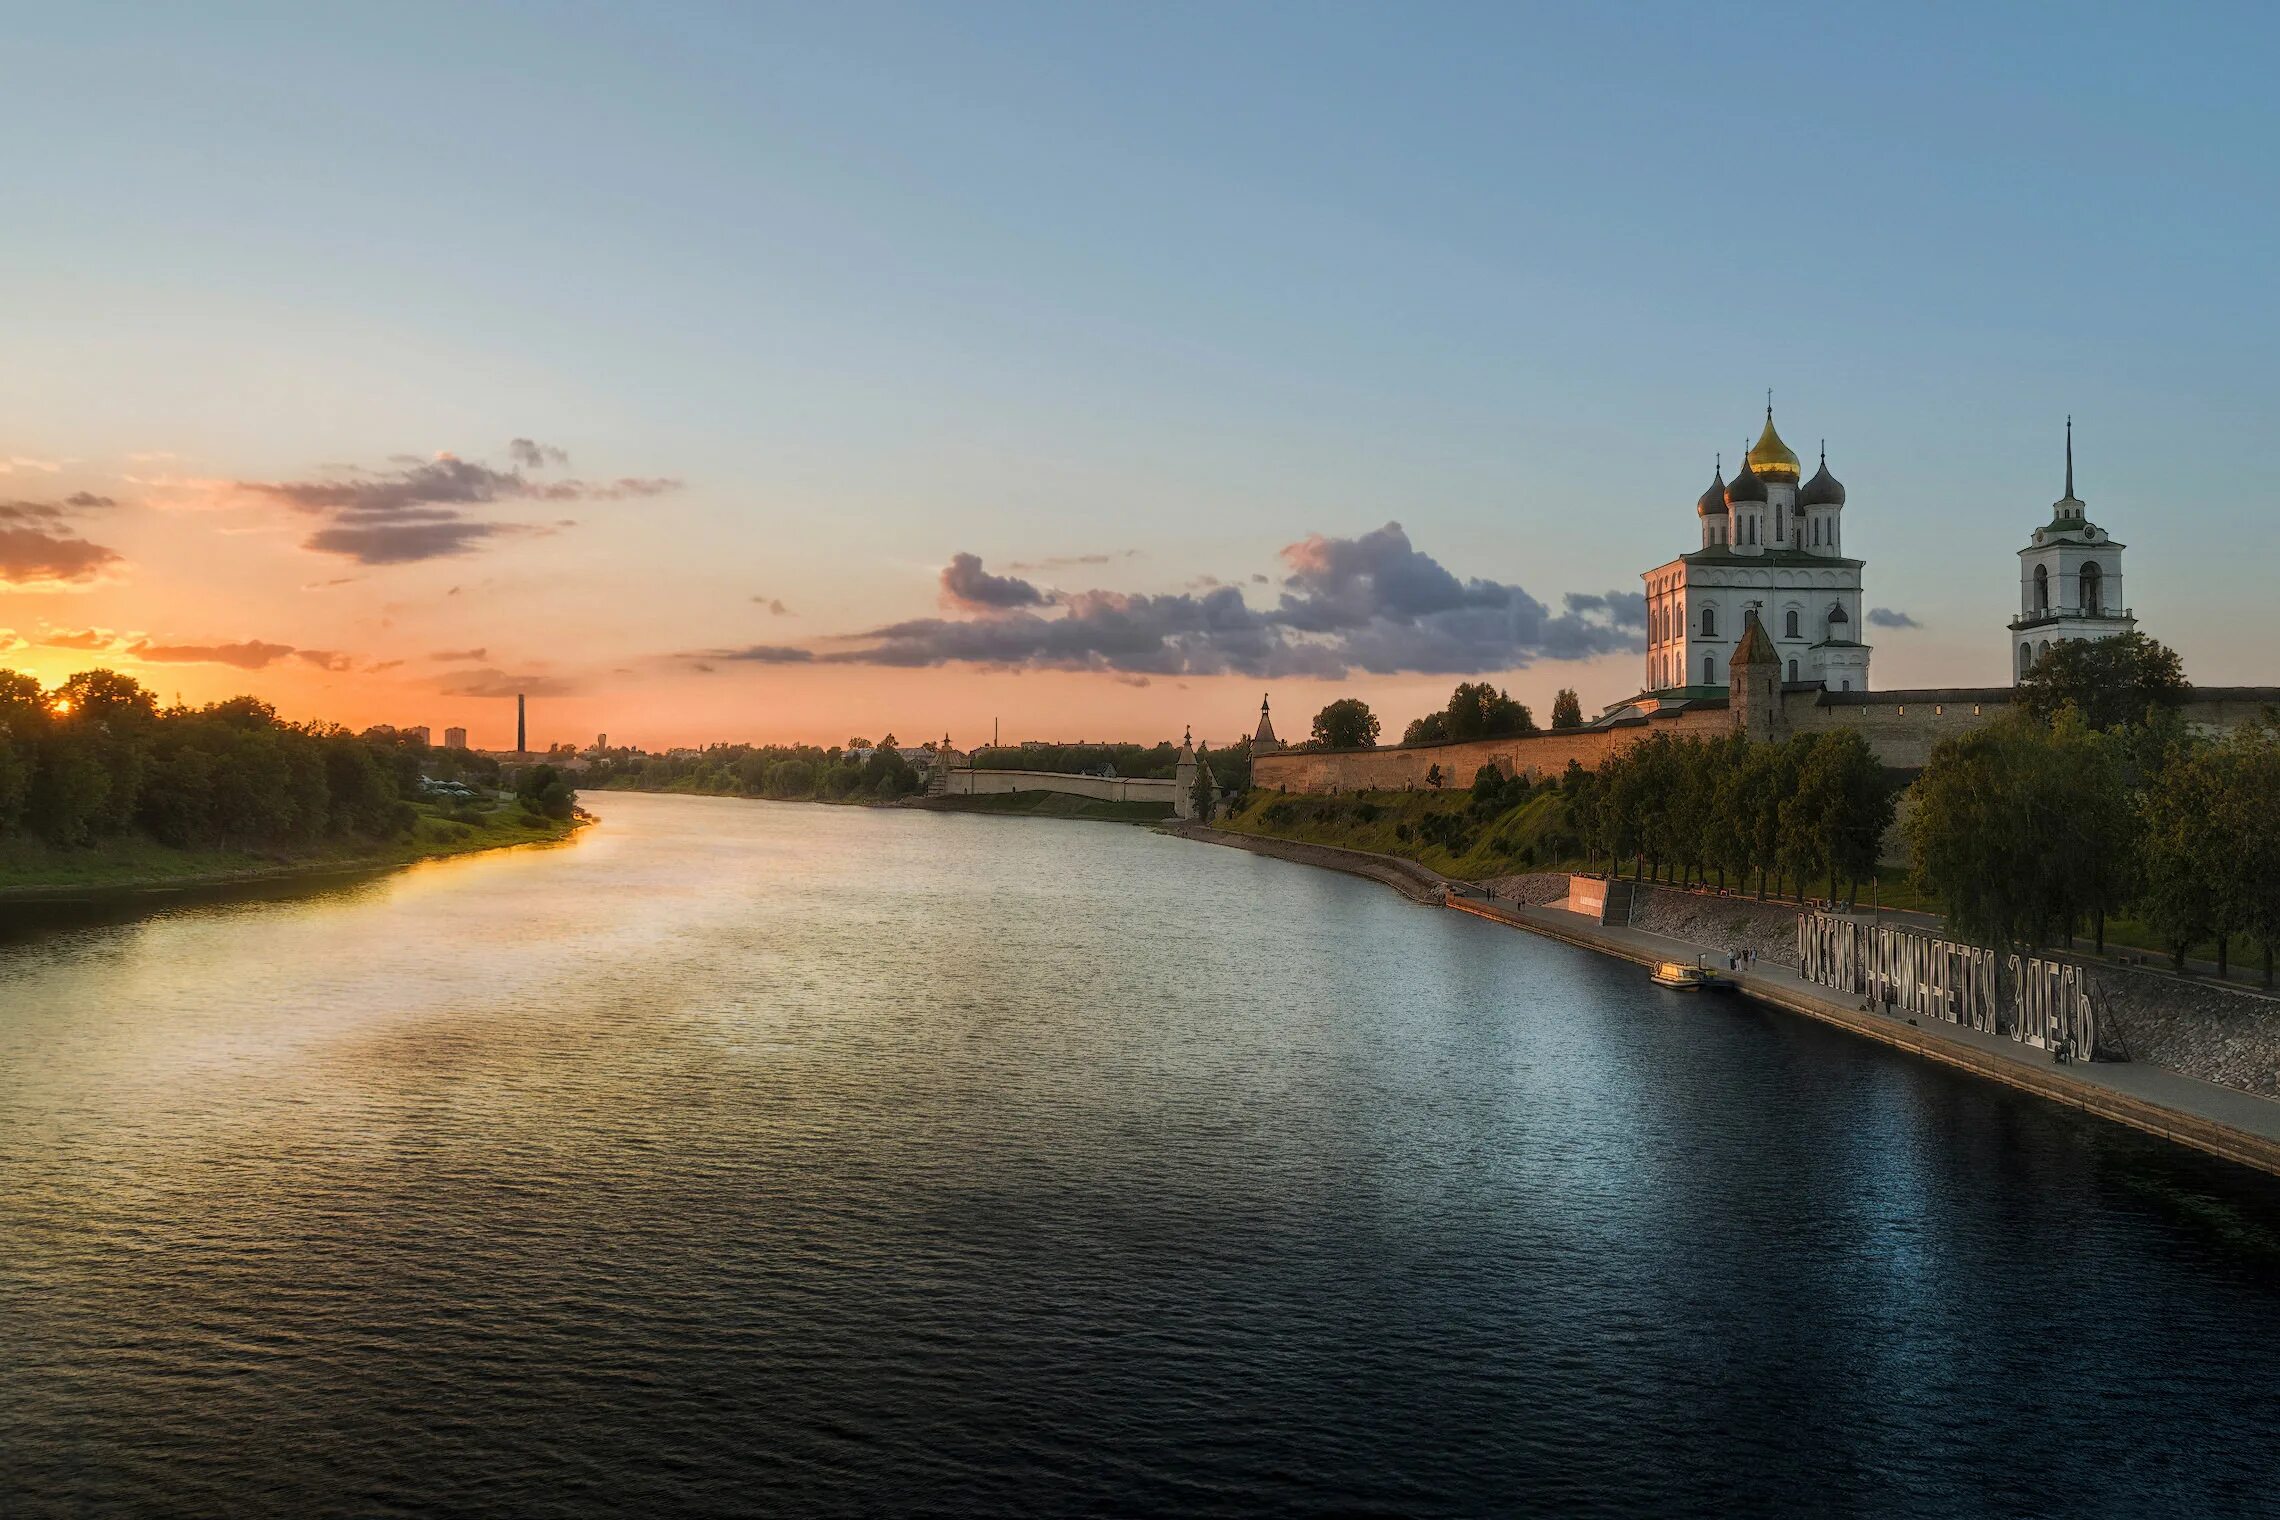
point(1681, 977)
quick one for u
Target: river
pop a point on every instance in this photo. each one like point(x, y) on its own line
point(769, 1158)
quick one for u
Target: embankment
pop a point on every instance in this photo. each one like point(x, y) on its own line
point(1407, 877)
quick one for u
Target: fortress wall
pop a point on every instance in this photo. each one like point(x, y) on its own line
point(1903, 730)
point(970, 783)
point(1398, 767)
point(1900, 726)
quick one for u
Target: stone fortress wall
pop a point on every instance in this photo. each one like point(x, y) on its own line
point(1901, 727)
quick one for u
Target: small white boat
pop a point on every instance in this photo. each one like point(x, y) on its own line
point(1680, 977)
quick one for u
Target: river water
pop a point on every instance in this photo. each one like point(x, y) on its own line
point(769, 1158)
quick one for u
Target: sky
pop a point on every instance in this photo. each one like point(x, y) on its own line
point(754, 373)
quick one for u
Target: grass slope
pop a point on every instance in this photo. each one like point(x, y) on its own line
point(30, 869)
point(1436, 829)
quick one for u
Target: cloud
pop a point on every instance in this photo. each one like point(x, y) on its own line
point(325, 659)
point(84, 638)
point(461, 655)
point(1372, 602)
point(1071, 561)
point(500, 683)
point(775, 606)
point(1891, 617)
point(421, 509)
point(88, 501)
point(535, 456)
point(253, 654)
point(762, 654)
point(965, 584)
point(37, 557)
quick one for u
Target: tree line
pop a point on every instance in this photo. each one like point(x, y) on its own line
point(1784, 817)
point(98, 758)
point(2093, 800)
point(786, 772)
point(1475, 710)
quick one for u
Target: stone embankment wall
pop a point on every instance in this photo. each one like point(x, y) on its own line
point(2218, 1034)
point(1407, 877)
point(982, 783)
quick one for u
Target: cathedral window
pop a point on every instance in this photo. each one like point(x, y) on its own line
point(2093, 601)
point(1789, 624)
point(1709, 672)
point(2042, 589)
point(1709, 622)
point(1792, 670)
point(2026, 659)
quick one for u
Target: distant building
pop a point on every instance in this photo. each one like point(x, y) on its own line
point(455, 738)
point(522, 727)
point(420, 733)
point(601, 741)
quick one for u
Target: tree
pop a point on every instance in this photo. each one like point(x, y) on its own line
point(1478, 710)
point(1430, 729)
point(1346, 723)
point(2020, 829)
point(2112, 682)
point(1203, 795)
point(1567, 710)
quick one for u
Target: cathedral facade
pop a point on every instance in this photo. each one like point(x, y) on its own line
point(1772, 545)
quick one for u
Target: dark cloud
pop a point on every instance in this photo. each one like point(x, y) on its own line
point(88, 501)
point(38, 557)
point(1372, 603)
point(966, 584)
point(325, 659)
point(253, 654)
point(425, 508)
point(500, 683)
point(457, 656)
point(1891, 617)
point(535, 456)
point(775, 606)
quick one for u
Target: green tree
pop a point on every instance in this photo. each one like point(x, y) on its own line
point(1567, 710)
point(2112, 682)
point(1346, 723)
point(1478, 710)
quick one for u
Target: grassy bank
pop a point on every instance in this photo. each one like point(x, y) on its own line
point(1436, 829)
point(30, 870)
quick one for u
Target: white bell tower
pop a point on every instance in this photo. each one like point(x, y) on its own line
point(2070, 582)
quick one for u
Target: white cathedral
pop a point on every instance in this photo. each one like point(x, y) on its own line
point(1775, 547)
point(1769, 546)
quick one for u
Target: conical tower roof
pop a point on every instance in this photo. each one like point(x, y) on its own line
point(1266, 733)
point(1756, 648)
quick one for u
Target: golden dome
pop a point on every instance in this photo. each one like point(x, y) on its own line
point(1770, 458)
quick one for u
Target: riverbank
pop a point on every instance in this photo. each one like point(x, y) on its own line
point(1030, 804)
point(2223, 1121)
point(32, 873)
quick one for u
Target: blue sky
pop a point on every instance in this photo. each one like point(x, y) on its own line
point(875, 286)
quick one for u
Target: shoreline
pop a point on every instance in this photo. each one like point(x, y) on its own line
point(133, 889)
point(2203, 1116)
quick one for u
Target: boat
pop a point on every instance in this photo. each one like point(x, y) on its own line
point(1681, 977)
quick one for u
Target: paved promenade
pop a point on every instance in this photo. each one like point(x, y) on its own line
point(2237, 1126)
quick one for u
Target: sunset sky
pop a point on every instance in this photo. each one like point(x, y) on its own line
point(787, 373)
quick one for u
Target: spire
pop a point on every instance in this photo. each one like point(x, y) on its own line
point(2070, 456)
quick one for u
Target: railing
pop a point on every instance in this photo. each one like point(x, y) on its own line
point(2048, 615)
